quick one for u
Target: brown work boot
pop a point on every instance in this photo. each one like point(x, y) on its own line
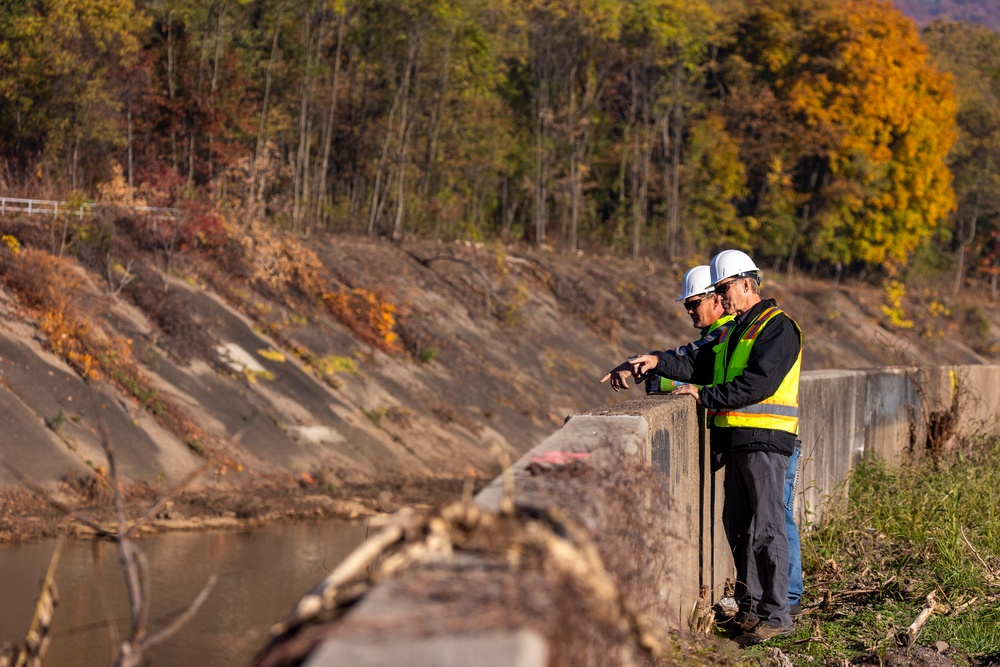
point(761, 633)
point(741, 624)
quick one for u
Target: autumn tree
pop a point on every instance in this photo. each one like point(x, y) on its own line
point(972, 55)
point(879, 119)
point(62, 60)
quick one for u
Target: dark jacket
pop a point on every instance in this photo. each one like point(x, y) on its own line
point(773, 354)
point(708, 336)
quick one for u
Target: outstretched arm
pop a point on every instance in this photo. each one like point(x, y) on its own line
point(636, 367)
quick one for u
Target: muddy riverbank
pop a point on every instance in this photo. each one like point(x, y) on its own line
point(27, 516)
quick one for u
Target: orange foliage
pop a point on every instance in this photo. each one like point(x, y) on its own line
point(52, 291)
point(368, 315)
point(277, 259)
point(890, 116)
point(51, 288)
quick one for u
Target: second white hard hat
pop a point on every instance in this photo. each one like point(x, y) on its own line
point(729, 263)
point(696, 281)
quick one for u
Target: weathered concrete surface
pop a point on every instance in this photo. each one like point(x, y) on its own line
point(361, 640)
point(606, 457)
point(61, 402)
point(582, 434)
point(831, 428)
point(981, 400)
point(491, 648)
point(975, 389)
point(48, 451)
point(891, 404)
point(677, 449)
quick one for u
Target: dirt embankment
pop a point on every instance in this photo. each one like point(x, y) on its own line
point(337, 376)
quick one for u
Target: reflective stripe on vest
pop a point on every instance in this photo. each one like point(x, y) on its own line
point(777, 412)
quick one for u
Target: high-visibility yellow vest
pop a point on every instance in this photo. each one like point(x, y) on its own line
point(666, 385)
point(778, 412)
point(725, 319)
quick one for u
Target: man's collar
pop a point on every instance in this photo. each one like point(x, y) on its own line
point(756, 308)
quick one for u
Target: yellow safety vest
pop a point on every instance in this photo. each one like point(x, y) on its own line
point(778, 412)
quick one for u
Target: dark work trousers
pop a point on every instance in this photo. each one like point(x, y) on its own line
point(753, 515)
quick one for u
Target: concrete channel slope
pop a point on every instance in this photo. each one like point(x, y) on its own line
point(290, 394)
point(890, 413)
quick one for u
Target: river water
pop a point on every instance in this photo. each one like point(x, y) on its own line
point(261, 574)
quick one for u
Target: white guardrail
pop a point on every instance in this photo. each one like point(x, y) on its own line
point(52, 207)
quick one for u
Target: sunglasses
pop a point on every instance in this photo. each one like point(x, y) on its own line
point(722, 288)
point(692, 304)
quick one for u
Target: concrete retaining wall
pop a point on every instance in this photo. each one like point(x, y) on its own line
point(845, 415)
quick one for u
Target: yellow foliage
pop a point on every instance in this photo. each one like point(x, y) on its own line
point(12, 243)
point(271, 354)
point(894, 293)
point(117, 191)
point(331, 365)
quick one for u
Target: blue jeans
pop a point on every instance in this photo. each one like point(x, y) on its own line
point(795, 585)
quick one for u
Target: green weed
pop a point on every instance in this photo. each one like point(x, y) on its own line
point(927, 526)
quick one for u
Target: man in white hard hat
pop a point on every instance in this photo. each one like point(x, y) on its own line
point(749, 381)
point(707, 315)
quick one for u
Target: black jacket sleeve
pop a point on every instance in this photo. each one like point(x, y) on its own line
point(773, 354)
point(697, 367)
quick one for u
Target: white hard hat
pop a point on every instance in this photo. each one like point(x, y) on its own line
point(730, 263)
point(696, 281)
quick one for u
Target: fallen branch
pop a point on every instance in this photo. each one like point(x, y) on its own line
point(990, 575)
point(931, 607)
point(184, 617)
point(324, 593)
point(37, 639)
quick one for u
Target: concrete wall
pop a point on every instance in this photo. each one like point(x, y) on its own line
point(845, 415)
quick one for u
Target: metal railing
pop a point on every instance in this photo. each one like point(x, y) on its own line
point(52, 207)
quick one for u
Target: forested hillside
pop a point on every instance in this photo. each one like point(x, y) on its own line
point(983, 12)
point(814, 133)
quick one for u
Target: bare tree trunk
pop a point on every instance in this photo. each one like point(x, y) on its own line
point(219, 36)
point(413, 51)
point(75, 168)
point(430, 154)
point(633, 172)
point(129, 139)
point(172, 86)
point(574, 176)
point(670, 228)
point(509, 210)
point(645, 158)
point(542, 112)
point(377, 197)
point(262, 126)
point(970, 234)
point(190, 122)
point(299, 166)
point(803, 226)
point(676, 145)
point(331, 114)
